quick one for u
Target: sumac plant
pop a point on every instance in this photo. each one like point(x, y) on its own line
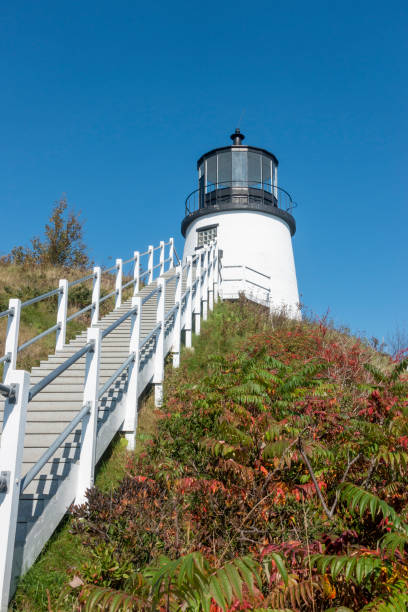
point(276, 479)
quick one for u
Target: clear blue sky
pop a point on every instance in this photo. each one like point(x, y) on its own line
point(113, 102)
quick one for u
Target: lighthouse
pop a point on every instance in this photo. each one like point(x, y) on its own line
point(239, 205)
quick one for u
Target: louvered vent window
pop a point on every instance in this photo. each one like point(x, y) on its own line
point(205, 236)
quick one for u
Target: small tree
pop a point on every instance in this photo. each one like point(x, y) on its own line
point(63, 245)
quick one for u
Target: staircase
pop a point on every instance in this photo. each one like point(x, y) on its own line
point(153, 318)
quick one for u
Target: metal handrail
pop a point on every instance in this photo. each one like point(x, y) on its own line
point(170, 312)
point(79, 312)
point(5, 357)
point(114, 267)
point(5, 390)
point(257, 272)
point(150, 335)
point(114, 376)
point(167, 280)
point(175, 253)
point(129, 260)
point(151, 294)
point(118, 322)
point(5, 313)
point(42, 335)
point(143, 274)
point(81, 280)
point(109, 295)
point(157, 265)
point(44, 382)
point(41, 297)
point(247, 280)
point(270, 194)
point(32, 473)
point(131, 282)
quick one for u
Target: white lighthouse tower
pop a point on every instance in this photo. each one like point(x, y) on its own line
point(238, 203)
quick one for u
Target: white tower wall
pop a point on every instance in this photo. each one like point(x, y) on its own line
point(262, 243)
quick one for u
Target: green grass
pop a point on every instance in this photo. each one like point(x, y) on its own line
point(64, 551)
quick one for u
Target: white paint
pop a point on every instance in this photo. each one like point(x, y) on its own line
point(87, 456)
point(62, 315)
point(13, 329)
point(189, 303)
point(118, 283)
point(96, 295)
point(257, 240)
point(130, 424)
point(136, 273)
point(159, 354)
point(11, 455)
point(177, 323)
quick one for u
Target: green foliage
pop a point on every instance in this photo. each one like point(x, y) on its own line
point(62, 246)
point(187, 583)
point(356, 569)
point(105, 567)
point(109, 600)
point(271, 441)
point(356, 497)
point(396, 601)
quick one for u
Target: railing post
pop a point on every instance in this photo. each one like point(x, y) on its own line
point(216, 274)
point(189, 302)
point(119, 282)
point(62, 315)
point(204, 296)
point(136, 273)
point(159, 355)
point(87, 457)
point(177, 322)
point(96, 295)
point(270, 295)
point(11, 456)
point(11, 345)
point(197, 300)
point(243, 268)
point(211, 278)
point(150, 264)
point(171, 253)
point(162, 248)
point(132, 396)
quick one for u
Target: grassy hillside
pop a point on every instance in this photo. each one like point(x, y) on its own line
point(275, 478)
point(28, 281)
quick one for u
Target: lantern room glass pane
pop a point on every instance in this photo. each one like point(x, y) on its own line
point(224, 169)
point(239, 168)
point(254, 169)
point(211, 173)
point(266, 174)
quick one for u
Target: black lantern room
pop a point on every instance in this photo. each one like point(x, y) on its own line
point(238, 177)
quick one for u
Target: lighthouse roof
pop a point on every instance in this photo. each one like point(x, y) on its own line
point(237, 137)
point(240, 147)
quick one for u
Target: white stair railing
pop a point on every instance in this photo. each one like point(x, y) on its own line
point(18, 392)
point(9, 359)
point(11, 456)
point(240, 278)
